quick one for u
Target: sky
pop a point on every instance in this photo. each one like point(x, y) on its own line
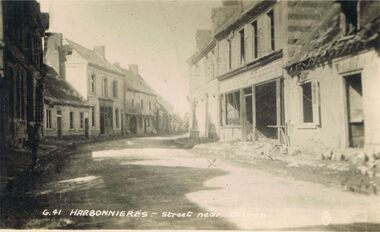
point(158, 35)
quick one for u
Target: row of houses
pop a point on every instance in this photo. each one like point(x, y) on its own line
point(301, 72)
point(89, 96)
point(72, 91)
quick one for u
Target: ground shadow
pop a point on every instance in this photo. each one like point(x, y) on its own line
point(151, 189)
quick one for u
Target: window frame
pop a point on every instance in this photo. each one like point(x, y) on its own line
point(315, 104)
point(71, 120)
point(48, 119)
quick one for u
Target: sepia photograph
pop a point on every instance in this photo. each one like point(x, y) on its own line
point(222, 115)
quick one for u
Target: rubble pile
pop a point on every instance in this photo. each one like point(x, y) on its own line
point(361, 168)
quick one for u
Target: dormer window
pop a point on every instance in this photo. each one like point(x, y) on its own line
point(350, 11)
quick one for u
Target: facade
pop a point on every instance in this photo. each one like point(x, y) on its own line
point(66, 114)
point(334, 79)
point(97, 81)
point(268, 71)
point(21, 70)
point(139, 103)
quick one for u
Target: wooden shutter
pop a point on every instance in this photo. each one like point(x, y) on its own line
point(316, 102)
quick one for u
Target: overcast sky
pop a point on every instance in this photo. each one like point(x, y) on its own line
point(159, 36)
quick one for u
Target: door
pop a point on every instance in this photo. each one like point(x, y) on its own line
point(59, 127)
point(248, 114)
point(86, 128)
point(355, 110)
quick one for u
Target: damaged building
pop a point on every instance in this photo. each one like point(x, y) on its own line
point(21, 71)
point(259, 73)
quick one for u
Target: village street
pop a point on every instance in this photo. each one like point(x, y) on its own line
point(149, 183)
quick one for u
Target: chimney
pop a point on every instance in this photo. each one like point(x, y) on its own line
point(100, 50)
point(134, 68)
point(54, 56)
point(202, 38)
point(221, 14)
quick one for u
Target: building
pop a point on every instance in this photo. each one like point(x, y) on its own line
point(242, 64)
point(97, 81)
point(302, 72)
point(66, 113)
point(22, 29)
point(334, 81)
point(139, 103)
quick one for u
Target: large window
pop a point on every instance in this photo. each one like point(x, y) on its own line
point(242, 46)
point(255, 40)
point(230, 108)
point(270, 15)
point(93, 83)
point(105, 87)
point(307, 102)
point(48, 118)
point(71, 118)
point(310, 102)
point(229, 54)
point(114, 89)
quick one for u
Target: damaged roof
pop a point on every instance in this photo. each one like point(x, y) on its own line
point(59, 91)
point(329, 40)
point(92, 57)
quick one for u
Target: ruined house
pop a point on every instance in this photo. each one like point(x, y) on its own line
point(334, 81)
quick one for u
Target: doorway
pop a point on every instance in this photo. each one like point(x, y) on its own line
point(266, 110)
point(355, 110)
point(59, 124)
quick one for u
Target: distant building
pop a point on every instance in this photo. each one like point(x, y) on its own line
point(66, 113)
point(22, 29)
point(99, 82)
point(139, 103)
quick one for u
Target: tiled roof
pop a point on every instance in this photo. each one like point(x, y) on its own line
point(329, 41)
point(59, 91)
point(92, 57)
point(137, 83)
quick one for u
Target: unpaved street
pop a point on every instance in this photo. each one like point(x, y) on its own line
point(148, 183)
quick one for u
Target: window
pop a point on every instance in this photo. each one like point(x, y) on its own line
point(310, 102)
point(229, 54)
point(81, 120)
point(230, 108)
point(307, 102)
point(132, 103)
point(105, 87)
point(93, 116)
point(350, 13)
point(255, 40)
point(71, 118)
point(114, 89)
point(271, 31)
point(242, 46)
point(93, 83)
point(48, 118)
point(117, 118)
point(142, 104)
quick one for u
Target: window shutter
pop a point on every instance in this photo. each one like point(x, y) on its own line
point(300, 105)
point(316, 103)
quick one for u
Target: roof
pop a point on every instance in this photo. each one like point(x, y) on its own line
point(137, 83)
point(92, 57)
point(59, 91)
point(329, 41)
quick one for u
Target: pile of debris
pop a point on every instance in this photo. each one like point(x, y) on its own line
point(362, 168)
